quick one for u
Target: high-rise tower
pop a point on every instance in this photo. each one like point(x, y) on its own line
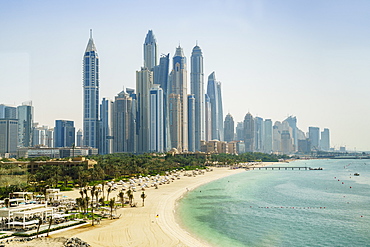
point(156, 119)
point(214, 93)
point(197, 89)
point(314, 136)
point(64, 132)
point(144, 81)
point(91, 95)
point(249, 132)
point(178, 100)
point(325, 140)
point(161, 77)
point(105, 135)
point(122, 134)
point(25, 124)
point(150, 51)
point(229, 128)
point(191, 123)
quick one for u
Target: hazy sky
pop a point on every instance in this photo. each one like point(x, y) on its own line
point(309, 59)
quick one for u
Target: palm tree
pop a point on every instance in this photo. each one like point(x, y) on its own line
point(111, 205)
point(38, 227)
point(92, 204)
point(109, 190)
point(121, 195)
point(130, 196)
point(82, 194)
point(143, 196)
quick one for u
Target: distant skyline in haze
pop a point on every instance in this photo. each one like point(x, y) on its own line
point(308, 59)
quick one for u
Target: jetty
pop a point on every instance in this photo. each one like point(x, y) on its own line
point(279, 168)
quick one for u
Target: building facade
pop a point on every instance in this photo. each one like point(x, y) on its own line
point(249, 132)
point(197, 89)
point(8, 137)
point(214, 93)
point(91, 95)
point(229, 128)
point(156, 120)
point(64, 133)
point(25, 124)
point(178, 90)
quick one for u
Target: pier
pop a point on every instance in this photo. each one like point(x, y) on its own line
point(280, 168)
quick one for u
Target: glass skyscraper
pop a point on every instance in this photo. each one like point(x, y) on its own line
point(178, 106)
point(25, 124)
point(91, 95)
point(197, 89)
point(64, 133)
point(214, 93)
point(150, 51)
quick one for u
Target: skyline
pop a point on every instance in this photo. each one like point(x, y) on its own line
point(284, 58)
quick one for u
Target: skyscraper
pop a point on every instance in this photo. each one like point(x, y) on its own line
point(325, 140)
point(214, 93)
point(229, 128)
point(122, 123)
point(161, 77)
point(79, 139)
point(292, 121)
point(8, 137)
point(208, 118)
point(267, 136)
point(249, 132)
point(197, 89)
point(240, 131)
point(144, 81)
point(64, 132)
point(91, 94)
point(258, 134)
point(191, 123)
point(25, 124)
point(314, 136)
point(178, 86)
point(150, 51)
point(9, 112)
point(105, 135)
point(156, 120)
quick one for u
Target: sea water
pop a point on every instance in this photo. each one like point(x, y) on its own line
point(329, 207)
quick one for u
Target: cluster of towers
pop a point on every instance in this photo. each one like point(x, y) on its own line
point(256, 134)
point(161, 115)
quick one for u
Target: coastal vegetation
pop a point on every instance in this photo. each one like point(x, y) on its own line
point(119, 166)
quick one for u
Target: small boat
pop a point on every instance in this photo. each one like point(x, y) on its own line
point(357, 174)
point(316, 169)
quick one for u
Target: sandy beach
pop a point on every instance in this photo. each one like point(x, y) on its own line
point(151, 225)
point(140, 226)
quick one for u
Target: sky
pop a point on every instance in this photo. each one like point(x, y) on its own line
point(275, 59)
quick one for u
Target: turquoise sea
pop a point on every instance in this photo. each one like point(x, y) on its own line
point(330, 207)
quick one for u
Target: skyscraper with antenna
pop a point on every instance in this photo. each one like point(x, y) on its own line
point(91, 95)
point(197, 89)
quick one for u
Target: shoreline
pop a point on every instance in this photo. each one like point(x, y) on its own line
point(155, 224)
